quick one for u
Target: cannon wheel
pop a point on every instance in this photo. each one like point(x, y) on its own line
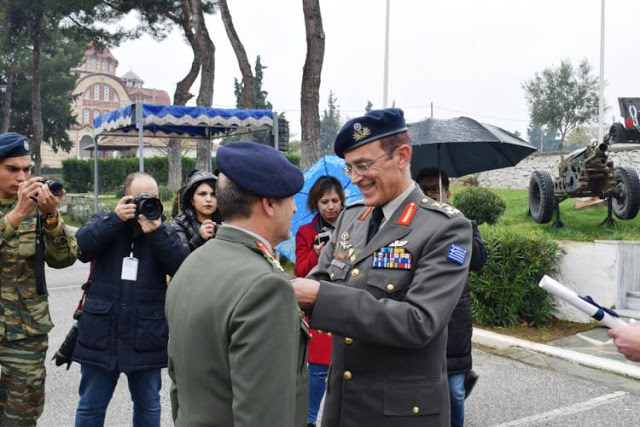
point(541, 196)
point(626, 193)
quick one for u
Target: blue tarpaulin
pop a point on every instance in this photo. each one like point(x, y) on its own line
point(328, 165)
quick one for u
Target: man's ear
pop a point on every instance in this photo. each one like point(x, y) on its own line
point(404, 155)
point(267, 206)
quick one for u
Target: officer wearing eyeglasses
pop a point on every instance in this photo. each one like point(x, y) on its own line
point(386, 284)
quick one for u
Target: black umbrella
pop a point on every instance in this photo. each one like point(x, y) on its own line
point(463, 146)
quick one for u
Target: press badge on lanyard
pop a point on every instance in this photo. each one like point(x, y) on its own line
point(130, 267)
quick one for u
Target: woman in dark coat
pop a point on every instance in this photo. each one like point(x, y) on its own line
point(198, 218)
point(326, 197)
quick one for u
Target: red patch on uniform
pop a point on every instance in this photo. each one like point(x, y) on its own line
point(408, 213)
point(366, 213)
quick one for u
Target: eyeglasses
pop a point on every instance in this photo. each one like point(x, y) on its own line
point(362, 168)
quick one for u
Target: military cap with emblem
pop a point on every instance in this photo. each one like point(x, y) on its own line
point(374, 125)
point(259, 169)
point(13, 144)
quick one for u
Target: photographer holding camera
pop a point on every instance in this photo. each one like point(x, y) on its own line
point(31, 233)
point(326, 197)
point(123, 328)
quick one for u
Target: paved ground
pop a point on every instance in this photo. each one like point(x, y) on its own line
point(517, 387)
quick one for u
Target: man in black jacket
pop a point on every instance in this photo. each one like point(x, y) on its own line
point(461, 377)
point(123, 328)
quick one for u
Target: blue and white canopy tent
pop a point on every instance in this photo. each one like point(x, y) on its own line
point(174, 120)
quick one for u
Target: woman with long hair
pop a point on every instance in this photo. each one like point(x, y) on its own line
point(198, 217)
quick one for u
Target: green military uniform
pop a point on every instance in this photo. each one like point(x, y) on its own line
point(24, 315)
point(237, 342)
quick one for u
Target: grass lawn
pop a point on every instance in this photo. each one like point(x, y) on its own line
point(581, 225)
point(555, 330)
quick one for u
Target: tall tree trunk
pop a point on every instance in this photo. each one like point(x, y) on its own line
point(36, 106)
point(241, 55)
point(181, 97)
point(310, 95)
point(205, 95)
point(8, 94)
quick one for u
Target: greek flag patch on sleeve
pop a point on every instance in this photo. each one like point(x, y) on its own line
point(457, 254)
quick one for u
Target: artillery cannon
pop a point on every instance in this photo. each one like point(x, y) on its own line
point(586, 172)
point(629, 130)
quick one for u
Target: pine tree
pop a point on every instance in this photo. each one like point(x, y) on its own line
point(260, 95)
point(329, 125)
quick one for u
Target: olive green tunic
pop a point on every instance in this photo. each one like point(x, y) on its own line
point(237, 343)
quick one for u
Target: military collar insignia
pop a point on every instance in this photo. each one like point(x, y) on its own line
point(366, 213)
point(360, 132)
point(269, 256)
point(407, 214)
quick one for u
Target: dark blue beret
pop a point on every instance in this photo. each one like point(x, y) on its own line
point(259, 169)
point(13, 145)
point(374, 125)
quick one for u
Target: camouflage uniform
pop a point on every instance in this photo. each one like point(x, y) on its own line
point(24, 315)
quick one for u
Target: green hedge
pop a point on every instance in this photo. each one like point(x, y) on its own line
point(77, 174)
point(506, 291)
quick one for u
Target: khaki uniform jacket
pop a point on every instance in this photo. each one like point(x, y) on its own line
point(237, 344)
point(389, 324)
point(24, 313)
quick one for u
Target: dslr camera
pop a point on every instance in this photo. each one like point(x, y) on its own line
point(148, 205)
point(54, 186)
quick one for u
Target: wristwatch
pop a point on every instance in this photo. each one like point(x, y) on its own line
point(51, 219)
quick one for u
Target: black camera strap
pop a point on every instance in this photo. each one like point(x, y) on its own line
point(41, 281)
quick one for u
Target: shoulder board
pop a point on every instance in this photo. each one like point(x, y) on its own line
point(355, 204)
point(443, 208)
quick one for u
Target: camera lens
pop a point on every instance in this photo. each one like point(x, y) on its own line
point(151, 208)
point(55, 186)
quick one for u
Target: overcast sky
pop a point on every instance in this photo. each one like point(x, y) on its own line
point(467, 57)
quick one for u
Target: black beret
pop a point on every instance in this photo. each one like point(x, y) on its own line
point(259, 169)
point(13, 145)
point(374, 125)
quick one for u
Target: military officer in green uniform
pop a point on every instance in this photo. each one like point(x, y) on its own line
point(24, 308)
point(386, 285)
point(237, 340)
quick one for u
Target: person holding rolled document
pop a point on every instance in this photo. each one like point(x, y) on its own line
point(626, 337)
point(627, 340)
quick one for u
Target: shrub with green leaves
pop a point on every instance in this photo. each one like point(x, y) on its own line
point(506, 291)
point(165, 193)
point(479, 204)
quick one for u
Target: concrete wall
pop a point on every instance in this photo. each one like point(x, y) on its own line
point(519, 175)
point(601, 270)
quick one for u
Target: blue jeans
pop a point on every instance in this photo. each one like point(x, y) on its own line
point(317, 381)
point(96, 389)
point(456, 394)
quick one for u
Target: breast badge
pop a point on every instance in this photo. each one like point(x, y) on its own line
point(393, 258)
